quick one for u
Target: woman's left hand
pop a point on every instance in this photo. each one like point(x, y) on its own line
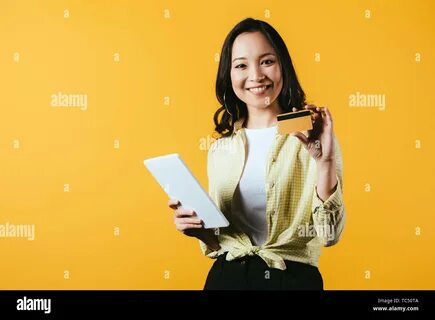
point(320, 140)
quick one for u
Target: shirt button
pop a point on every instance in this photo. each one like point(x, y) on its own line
point(272, 184)
point(243, 262)
point(273, 159)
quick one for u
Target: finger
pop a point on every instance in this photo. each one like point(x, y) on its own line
point(173, 203)
point(184, 227)
point(311, 107)
point(316, 119)
point(316, 115)
point(302, 138)
point(183, 213)
point(328, 114)
point(180, 213)
point(323, 114)
point(315, 111)
point(188, 221)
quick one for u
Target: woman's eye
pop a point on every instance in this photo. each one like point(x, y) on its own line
point(267, 62)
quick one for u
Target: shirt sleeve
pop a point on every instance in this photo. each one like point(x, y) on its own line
point(329, 215)
point(206, 250)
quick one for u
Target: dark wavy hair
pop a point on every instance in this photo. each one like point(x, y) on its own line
point(225, 123)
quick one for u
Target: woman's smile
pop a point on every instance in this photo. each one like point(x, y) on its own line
point(259, 91)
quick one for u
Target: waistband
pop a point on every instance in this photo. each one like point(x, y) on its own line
point(257, 260)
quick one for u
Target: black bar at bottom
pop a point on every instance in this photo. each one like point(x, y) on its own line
point(221, 303)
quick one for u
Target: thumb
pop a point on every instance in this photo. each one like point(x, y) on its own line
point(302, 138)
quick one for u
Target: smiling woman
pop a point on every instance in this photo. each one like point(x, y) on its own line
point(281, 193)
point(255, 71)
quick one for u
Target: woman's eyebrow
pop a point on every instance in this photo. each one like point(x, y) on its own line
point(261, 56)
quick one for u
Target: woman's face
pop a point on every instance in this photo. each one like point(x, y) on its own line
point(254, 64)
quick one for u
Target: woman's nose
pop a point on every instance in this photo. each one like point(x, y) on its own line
point(256, 75)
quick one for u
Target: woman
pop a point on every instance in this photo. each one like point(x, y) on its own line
point(281, 193)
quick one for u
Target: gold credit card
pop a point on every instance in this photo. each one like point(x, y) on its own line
point(294, 121)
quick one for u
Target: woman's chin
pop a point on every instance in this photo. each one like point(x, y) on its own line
point(259, 105)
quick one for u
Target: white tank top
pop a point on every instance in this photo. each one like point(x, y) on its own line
point(249, 201)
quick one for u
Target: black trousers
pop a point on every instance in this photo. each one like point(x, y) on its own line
point(252, 273)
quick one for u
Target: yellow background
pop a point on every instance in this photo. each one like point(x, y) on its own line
point(174, 56)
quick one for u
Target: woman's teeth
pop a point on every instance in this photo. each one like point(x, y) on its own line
point(259, 89)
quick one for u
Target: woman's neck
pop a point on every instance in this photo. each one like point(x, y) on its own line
point(262, 118)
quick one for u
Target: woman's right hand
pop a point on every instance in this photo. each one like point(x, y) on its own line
point(187, 222)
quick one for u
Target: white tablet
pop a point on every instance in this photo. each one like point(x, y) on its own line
point(178, 182)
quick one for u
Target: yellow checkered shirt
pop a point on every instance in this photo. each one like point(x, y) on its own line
point(299, 222)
